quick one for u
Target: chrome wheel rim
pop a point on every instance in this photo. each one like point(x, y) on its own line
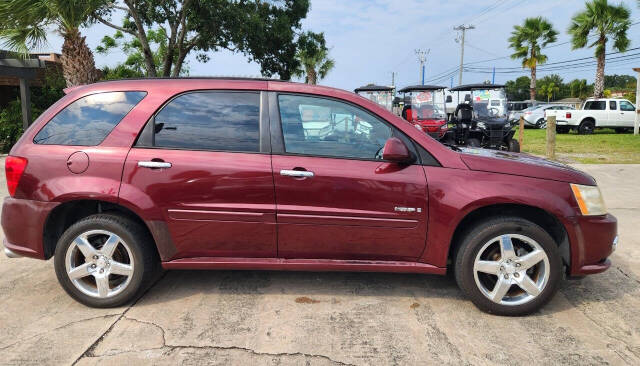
point(511, 269)
point(99, 263)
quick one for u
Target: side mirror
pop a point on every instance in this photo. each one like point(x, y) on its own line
point(396, 151)
point(467, 97)
point(449, 99)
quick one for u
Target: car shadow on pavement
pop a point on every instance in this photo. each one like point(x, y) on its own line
point(313, 287)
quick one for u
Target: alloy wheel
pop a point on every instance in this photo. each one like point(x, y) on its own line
point(99, 263)
point(511, 269)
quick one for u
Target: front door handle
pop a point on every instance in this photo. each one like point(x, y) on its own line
point(296, 173)
point(154, 164)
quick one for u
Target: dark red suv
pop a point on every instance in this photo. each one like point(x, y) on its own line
point(118, 178)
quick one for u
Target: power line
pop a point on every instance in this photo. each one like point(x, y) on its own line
point(572, 62)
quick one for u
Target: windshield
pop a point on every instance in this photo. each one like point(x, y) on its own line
point(489, 102)
point(428, 104)
point(383, 98)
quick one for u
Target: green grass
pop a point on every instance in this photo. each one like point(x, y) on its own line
point(603, 147)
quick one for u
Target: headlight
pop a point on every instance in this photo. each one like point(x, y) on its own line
point(482, 125)
point(589, 199)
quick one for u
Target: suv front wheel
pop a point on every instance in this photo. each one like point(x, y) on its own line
point(105, 260)
point(508, 266)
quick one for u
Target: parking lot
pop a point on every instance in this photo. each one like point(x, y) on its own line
point(265, 318)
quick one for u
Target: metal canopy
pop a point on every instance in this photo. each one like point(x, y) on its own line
point(476, 87)
point(373, 88)
point(24, 70)
point(411, 88)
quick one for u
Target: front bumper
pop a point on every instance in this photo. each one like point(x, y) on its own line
point(23, 224)
point(594, 238)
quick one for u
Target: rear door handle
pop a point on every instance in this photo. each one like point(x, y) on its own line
point(296, 173)
point(154, 164)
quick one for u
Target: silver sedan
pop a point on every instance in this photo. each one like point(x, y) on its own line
point(536, 117)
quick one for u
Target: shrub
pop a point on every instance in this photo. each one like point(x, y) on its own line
point(11, 124)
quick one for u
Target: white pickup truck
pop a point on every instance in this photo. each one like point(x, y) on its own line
point(596, 113)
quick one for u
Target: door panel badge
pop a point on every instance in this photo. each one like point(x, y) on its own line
point(407, 209)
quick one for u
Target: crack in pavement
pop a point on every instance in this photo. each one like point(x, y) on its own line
point(627, 275)
point(608, 332)
point(91, 354)
point(57, 328)
point(101, 338)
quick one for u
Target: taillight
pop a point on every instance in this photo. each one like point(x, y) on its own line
point(568, 115)
point(14, 167)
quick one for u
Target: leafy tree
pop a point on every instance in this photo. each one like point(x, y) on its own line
point(549, 90)
point(134, 65)
point(527, 40)
point(603, 21)
point(120, 71)
point(518, 89)
point(24, 26)
point(630, 96)
point(313, 56)
point(619, 81)
point(262, 30)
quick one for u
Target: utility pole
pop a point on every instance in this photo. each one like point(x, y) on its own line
point(422, 57)
point(393, 78)
point(464, 29)
point(636, 123)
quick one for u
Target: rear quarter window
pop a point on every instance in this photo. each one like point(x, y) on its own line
point(88, 120)
point(595, 105)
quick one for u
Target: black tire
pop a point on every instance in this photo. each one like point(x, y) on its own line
point(514, 145)
point(473, 142)
point(481, 233)
point(541, 123)
point(145, 258)
point(587, 127)
point(622, 130)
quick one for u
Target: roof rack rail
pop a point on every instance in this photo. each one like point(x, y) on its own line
point(196, 78)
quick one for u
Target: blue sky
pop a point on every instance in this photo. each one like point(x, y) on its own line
point(371, 38)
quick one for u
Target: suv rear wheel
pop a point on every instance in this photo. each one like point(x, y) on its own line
point(508, 266)
point(105, 260)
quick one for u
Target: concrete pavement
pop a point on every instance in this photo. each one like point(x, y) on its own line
point(291, 318)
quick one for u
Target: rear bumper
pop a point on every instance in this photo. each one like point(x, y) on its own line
point(23, 224)
point(594, 238)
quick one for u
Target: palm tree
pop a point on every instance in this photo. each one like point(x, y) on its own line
point(24, 28)
point(313, 56)
point(578, 88)
point(528, 40)
point(549, 90)
point(601, 20)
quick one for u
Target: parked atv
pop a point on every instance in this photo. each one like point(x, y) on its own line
point(481, 120)
point(424, 107)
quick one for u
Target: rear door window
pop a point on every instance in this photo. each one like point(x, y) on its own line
point(210, 120)
point(613, 105)
point(88, 120)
